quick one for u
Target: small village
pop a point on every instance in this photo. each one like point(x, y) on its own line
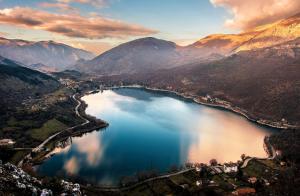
point(245, 177)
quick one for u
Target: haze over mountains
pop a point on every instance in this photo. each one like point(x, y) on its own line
point(52, 55)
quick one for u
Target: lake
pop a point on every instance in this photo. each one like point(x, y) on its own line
point(152, 130)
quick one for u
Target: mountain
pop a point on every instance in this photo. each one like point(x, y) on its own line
point(18, 83)
point(150, 54)
point(275, 33)
point(49, 53)
point(264, 82)
point(142, 56)
point(138, 56)
point(259, 37)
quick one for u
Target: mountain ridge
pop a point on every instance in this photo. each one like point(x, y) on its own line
point(49, 53)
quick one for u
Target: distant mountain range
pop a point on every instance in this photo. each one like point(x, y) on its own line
point(150, 54)
point(53, 55)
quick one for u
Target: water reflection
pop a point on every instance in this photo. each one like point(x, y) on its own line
point(226, 137)
point(91, 147)
point(152, 131)
point(71, 166)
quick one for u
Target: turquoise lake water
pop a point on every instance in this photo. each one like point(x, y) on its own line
point(152, 130)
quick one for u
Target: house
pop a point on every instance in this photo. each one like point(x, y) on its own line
point(230, 167)
point(199, 182)
point(6, 143)
point(282, 163)
point(278, 153)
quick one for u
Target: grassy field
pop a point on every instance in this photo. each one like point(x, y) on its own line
point(50, 127)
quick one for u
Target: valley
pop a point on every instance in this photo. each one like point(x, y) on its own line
point(219, 116)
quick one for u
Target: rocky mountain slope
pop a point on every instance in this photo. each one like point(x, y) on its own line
point(49, 53)
point(274, 33)
point(259, 37)
point(15, 181)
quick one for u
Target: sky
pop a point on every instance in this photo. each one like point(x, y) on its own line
point(98, 25)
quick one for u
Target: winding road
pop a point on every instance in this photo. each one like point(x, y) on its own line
point(115, 189)
point(273, 152)
point(41, 146)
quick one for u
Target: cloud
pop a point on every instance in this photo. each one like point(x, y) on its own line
point(91, 146)
point(252, 13)
point(97, 3)
point(3, 34)
point(61, 6)
point(71, 25)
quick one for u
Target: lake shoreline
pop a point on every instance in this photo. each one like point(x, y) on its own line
point(77, 130)
point(161, 175)
point(221, 105)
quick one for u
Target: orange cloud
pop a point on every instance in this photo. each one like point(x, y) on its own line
point(71, 25)
point(252, 13)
